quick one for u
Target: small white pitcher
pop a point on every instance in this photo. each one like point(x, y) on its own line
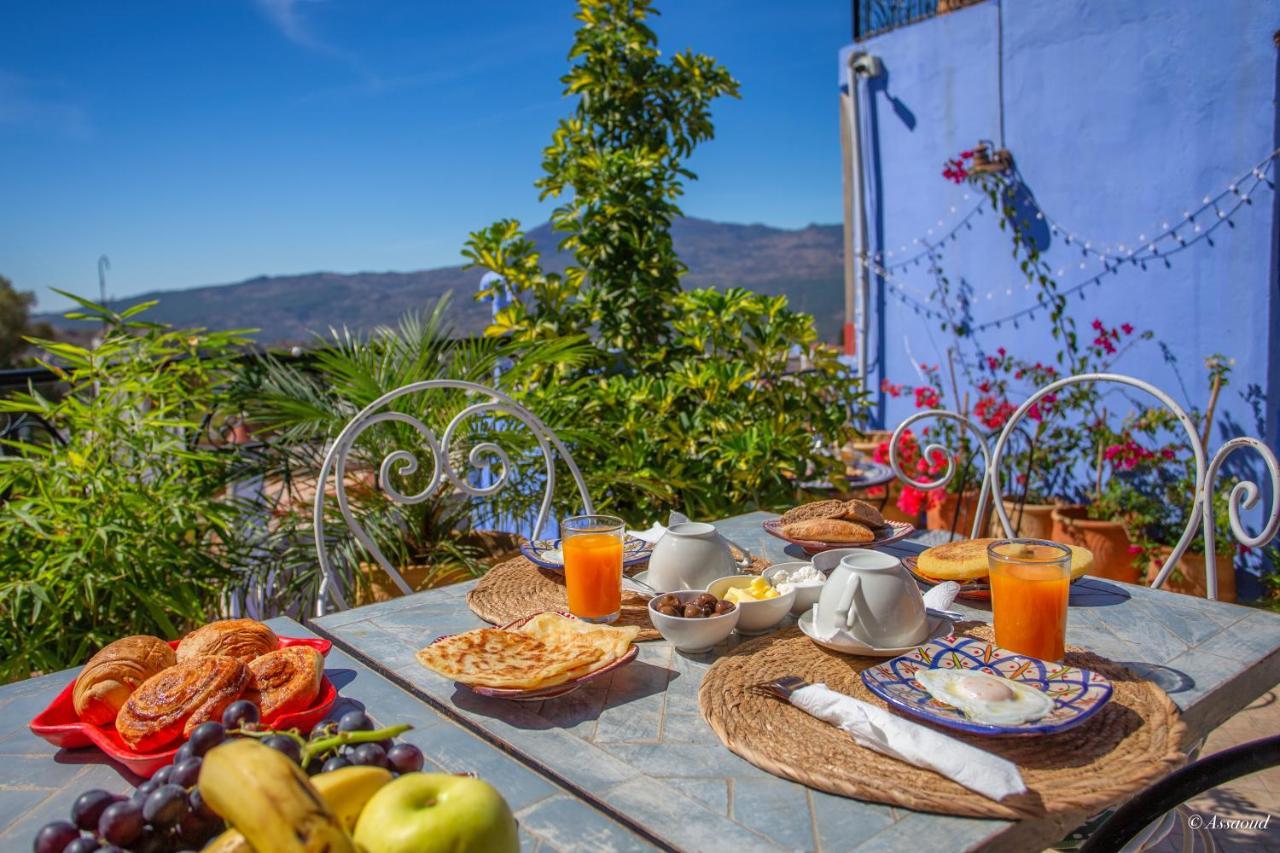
point(873, 599)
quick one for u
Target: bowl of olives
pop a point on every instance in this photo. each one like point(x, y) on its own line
point(692, 620)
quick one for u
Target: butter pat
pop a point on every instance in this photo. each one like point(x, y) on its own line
point(758, 590)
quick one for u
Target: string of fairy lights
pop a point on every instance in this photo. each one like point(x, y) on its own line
point(1169, 238)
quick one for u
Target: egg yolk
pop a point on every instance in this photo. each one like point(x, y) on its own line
point(758, 590)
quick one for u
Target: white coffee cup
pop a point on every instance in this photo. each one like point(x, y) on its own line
point(871, 598)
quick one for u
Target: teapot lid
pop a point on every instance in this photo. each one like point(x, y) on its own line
point(870, 561)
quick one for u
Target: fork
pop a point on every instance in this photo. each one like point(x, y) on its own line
point(779, 688)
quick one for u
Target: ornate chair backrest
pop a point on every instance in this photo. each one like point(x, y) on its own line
point(402, 462)
point(1244, 495)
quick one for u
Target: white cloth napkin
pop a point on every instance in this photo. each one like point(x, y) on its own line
point(886, 733)
point(942, 596)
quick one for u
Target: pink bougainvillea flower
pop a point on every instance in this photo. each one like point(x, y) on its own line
point(1134, 549)
point(1126, 328)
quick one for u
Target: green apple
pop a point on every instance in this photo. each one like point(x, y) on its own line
point(436, 813)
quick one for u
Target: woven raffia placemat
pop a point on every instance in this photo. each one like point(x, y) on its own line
point(517, 588)
point(1133, 741)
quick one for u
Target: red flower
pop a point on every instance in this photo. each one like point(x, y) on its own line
point(1126, 328)
point(1034, 412)
point(1134, 549)
point(1002, 352)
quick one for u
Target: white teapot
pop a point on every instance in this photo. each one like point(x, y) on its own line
point(872, 598)
point(690, 555)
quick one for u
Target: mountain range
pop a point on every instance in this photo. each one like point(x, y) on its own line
point(802, 264)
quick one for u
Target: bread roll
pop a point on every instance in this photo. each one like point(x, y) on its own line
point(813, 509)
point(244, 639)
point(170, 704)
point(829, 530)
point(111, 675)
point(863, 513)
point(285, 681)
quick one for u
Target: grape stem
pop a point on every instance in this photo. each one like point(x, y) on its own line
point(320, 746)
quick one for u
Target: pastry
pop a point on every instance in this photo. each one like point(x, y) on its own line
point(863, 513)
point(829, 530)
point(115, 672)
point(813, 509)
point(285, 680)
point(245, 639)
point(168, 705)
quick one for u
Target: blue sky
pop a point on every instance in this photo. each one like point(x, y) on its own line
point(208, 141)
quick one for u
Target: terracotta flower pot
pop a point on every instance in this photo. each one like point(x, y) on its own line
point(941, 516)
point(1108, 540)
point(1189, 576)
point(1031, 521)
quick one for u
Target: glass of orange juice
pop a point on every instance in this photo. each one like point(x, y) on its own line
point(1030, 583)
point(592, 547)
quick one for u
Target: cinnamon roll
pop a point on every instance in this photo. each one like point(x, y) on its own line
point(285, 680)
point(114, 673)
point(245, 639)
point(170, 704)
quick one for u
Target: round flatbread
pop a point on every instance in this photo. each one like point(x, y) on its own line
point(813, 509)
point(967, 560)
point(1081, 561)
point(963, 560)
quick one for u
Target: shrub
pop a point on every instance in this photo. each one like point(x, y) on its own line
point(125, 528)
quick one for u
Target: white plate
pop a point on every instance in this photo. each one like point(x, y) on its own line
point(939, 626)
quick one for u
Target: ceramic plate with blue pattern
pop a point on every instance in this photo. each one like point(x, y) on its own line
point(1077, 693)
point(546, 553)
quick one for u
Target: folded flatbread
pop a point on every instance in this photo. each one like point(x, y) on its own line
point(492, 657)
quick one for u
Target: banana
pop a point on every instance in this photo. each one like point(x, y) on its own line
point(230, 841)
point(346, 791)
point(260, 792)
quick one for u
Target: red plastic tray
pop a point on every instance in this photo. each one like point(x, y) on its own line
point(60, 726)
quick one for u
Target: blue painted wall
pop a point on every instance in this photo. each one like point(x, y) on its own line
point(1120, 116)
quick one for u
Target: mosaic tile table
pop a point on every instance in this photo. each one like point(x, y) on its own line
point(38, 782)
point(635, 746)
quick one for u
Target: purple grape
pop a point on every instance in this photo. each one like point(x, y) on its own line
point(83, 844)
point(166, 805)
point(240, 713)
point(162, 775)
point(185, 774)
point(144, 790)
point(198, 807)
point(121, 823)
point(54, 837)
point(405, 758)
point(355, 721)
point(370, 755)
point(335, 763)
point(184, 752)
point(206, 736)
point(88, 807)
point(286, 745)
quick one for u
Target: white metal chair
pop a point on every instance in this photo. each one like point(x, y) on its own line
point(445, 460)
point(1244, 495)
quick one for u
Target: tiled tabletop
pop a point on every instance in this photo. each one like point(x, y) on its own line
point(39, 782)
point(635, 745)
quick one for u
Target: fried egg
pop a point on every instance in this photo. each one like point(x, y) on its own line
point(986, 698)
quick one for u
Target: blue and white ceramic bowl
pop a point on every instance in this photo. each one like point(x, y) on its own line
point(546, 553)
point(1077, 693)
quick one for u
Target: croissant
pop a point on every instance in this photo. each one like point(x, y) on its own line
point(115, 672)
point(245, 639)
point(285, 680)
point(170, 704)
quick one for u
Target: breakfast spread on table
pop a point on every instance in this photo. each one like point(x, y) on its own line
point(548, 650)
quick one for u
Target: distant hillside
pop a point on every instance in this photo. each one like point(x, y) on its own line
point(803, 264)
